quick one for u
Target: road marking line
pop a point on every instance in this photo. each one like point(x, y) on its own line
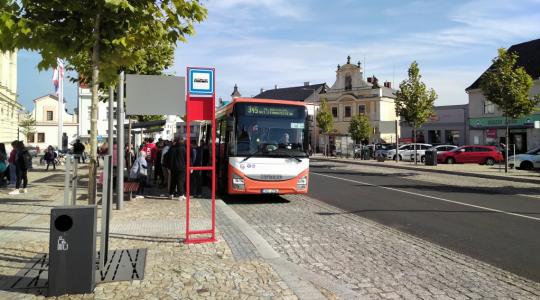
point(431, 197)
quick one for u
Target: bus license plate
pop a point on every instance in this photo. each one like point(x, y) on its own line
point(270, 191)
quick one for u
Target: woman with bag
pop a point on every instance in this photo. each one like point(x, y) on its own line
point(139, 173)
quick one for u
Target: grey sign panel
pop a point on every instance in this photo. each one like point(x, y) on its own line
point(72, 254)
point(155, 95)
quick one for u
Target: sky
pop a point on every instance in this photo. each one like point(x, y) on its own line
point(262, 43)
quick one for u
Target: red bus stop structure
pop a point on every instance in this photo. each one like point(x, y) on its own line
point(200, 106)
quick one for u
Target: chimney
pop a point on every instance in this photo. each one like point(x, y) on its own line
point(369, 79)
point(262, 90)
point(275, 87)
point(306, 83)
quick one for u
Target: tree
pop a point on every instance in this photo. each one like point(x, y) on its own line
point(414, 102)
point(360, 128)
point(508, 86)
point(325, 121)
point(27, 124)
point(106, 32)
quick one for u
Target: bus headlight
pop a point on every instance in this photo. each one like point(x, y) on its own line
point(302, 183)
point(238, 182)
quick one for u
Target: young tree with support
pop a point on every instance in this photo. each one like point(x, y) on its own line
point(27, 125)
point(107, 31)
point(508, 86)
point(414, 102)
point(325, 122)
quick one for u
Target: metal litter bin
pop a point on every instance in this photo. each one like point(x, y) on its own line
point(72, 253)
point(430, 157)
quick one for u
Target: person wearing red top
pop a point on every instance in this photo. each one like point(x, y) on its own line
point(151, 154)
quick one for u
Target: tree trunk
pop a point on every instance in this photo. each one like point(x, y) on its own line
point(506, 148)
point(414, 144)
point(92, 172)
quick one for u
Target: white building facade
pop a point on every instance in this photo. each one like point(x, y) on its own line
point(46, 115)
point(85, 107)
point(9, 107)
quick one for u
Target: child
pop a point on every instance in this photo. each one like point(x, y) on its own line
point(139, 172)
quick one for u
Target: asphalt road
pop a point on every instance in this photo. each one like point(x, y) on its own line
point(500, 229)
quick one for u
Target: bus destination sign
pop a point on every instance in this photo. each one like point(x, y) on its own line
point(269, 111)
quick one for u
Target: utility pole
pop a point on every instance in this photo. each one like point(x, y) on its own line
point(120, 142)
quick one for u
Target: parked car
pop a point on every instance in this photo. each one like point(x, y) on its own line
point(526, 161)
point(488, 155)
point(406, 152)
point(381, 150)
point(439, 148)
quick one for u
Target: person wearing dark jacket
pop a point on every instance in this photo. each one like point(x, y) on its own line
point(196, 176)
point(176, 161)
point(23, 162)
point(78, 150)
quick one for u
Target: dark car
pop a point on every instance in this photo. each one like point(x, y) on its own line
point(488, 155)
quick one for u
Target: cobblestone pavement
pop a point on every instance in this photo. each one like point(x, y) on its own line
point(174, 270)
point(376, 261)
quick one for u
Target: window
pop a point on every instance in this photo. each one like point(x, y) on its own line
point(41, 137)
point(334, 112)
point(49, 115)
point(489, 108)
point(452, 137)
point(30, 138)
point(348, 82)
point(361, 109)
point(434, 137)
point(347, 111)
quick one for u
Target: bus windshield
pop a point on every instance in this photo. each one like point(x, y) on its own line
point(273, 130)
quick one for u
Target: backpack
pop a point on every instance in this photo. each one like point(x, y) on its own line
point(25, 160)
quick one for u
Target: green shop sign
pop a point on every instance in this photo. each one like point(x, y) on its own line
point(527, 121)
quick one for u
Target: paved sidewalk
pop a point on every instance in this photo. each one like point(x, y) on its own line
point(174, 270)
point(472, 170)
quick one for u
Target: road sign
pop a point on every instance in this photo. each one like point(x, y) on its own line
point(201, 82)
point(200, 105)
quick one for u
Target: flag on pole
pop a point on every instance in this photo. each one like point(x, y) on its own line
point(58, 75)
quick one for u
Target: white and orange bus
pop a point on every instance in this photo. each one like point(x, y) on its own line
point(262, 147)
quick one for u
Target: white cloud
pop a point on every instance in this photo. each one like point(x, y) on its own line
point(243, 51)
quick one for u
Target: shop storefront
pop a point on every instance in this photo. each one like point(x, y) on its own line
point(491, 131)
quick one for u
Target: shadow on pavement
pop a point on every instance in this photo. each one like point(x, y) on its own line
point(146, 238)
point(253, 199)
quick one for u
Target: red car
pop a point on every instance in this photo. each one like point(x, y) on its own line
point(488, 155)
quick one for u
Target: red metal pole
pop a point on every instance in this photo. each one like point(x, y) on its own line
point(213, 167)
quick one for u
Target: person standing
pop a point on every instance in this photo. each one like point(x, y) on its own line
point(78, 150)
point(151, 155)
point(139, 172)
point(177, 165)
point(164, 166)
point(23, 162)
point(3, 163)
point(196, 176)
point(50, 157)
point(12, 167)
point(158, 168)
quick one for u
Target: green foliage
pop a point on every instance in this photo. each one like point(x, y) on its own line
point(414, 102)
point(508, 86)
point(360, 128)
point(129, 31)
point(27, 124)
point(146, 118)
point(325, 121)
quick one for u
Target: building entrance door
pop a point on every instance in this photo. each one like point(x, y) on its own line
point(520, 140)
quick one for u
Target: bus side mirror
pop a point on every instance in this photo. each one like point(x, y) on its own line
point(230, 123)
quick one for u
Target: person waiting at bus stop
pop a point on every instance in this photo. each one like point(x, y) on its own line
point(176, 161)
point(196, 176)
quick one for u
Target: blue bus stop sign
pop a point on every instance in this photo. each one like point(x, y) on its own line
point(201, 82)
